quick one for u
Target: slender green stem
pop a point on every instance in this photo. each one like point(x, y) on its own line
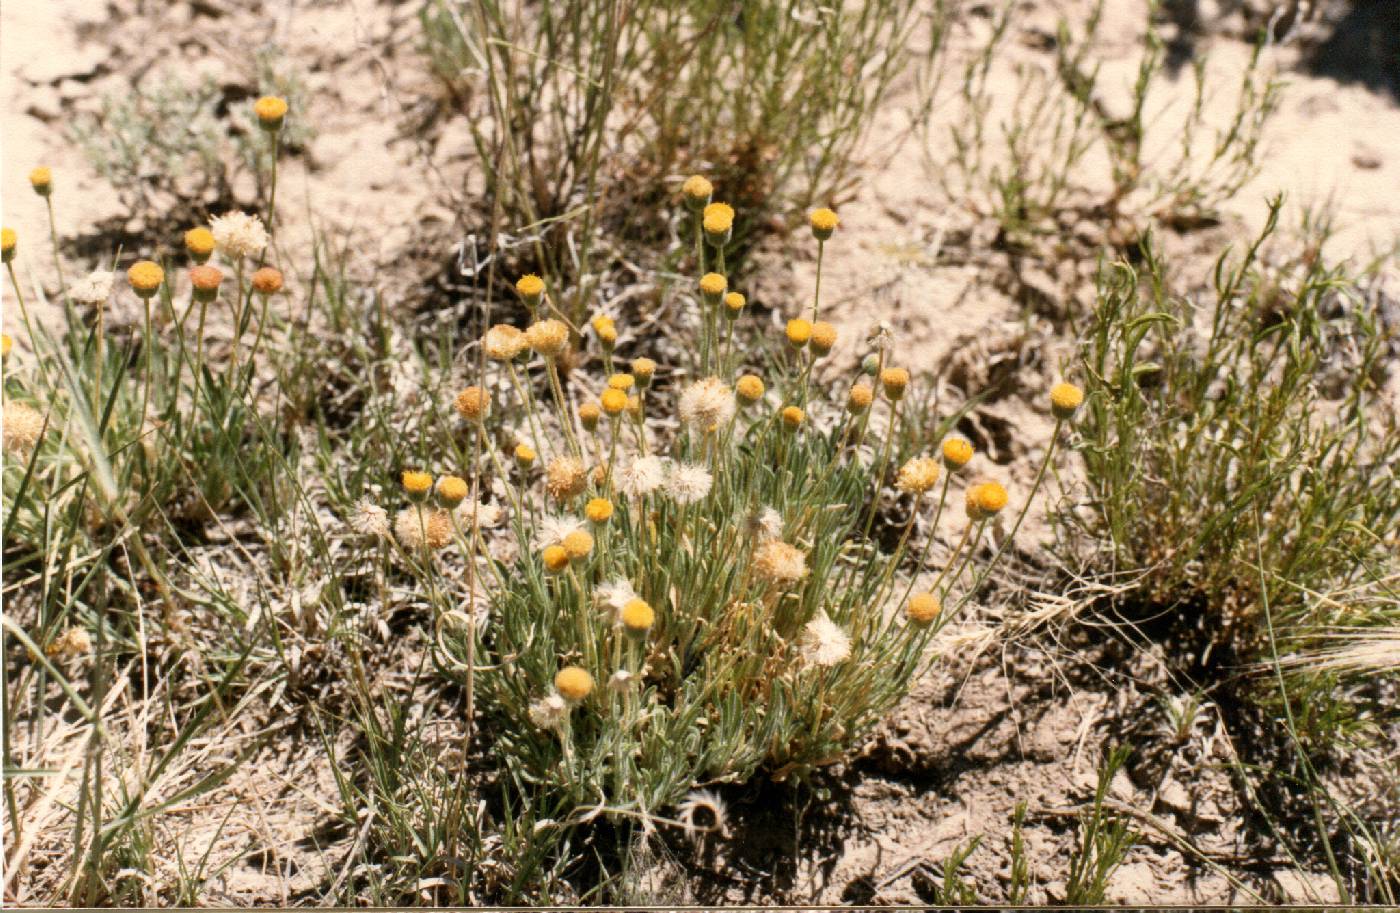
point(817, 293)
point(53, 240)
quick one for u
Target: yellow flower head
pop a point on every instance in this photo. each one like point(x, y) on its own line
point(606, 330)
point(922, 609)
point(917, 476)
point(823, 337)
point(614, 401)
point(598, 510)
point(573, 684)
point(984, 500)
point(734, 305)
point(637, 616)
point(7, 343)
point(503, 342)
point(565, 478)
point(451, 491)
point(712, 286)
point(622, 381)
point(798, 332)
point(824, 222)
point(697, 191)
point(267, 280)
point(1065, 400)
point(548, 337)
point(41, 179)
point(792, 417)
point(270, 110)
point(145, 277)
point(956, 453)
point(860, 397)
point(718, 222)
point(473, 403)
point(643, 369)
point(749, 389)
point(205, 279)
point(894, 380)
point(8, 240)
point(530, 287)
point(555, 558)
point(200, 243)
point(416, 484)
point(525, 455)
point(578, 544)
point(588, 414)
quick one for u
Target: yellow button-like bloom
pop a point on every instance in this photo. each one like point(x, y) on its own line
point(200, 243)
point(894, 380)
point(205, 280)
point(718, 222)
point(555, 558)
point(922, 609)
point(525, 455)
point(823, 337)
point(824, 222)
point(7, 343)
point(145, 277)
point(956, 453)
point(598, 510)
point(637, 616)
point(988, 497)
point(798, 332)
point(270, 111)
point(573, 684)
point(793, 417)
point(8, 240)
point(614, 401)
point(643, 369)
point(578, 544)
point(734, 304)
point(1065, 400)
point(530, 287)
point(416, 484)
point(860, 397)
point(588, 414)
point(749, 389)
point(712, 286)
point(606, 330)
point(451, 491)
point(41, 179)
point(622, 381)
point(697, 191)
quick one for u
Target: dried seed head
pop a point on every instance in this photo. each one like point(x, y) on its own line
point(780, 563)
point(549, 712)
point(473, 403)
point(917, 476)
point(369, 519)
point(707, 404)
point(22, 427)
point(548, 337)
point(94, 289)
point(688, 482)
point(565, 478)
point(237, 234)
point(823, 642)
point(267, 281)
point(860, 397)
point(578, 544)
point(503, 342)
point(641, 476)
point(417, 527)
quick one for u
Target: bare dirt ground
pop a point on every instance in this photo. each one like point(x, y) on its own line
point(989, 728)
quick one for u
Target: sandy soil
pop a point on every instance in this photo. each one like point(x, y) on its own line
point(1027, 722)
